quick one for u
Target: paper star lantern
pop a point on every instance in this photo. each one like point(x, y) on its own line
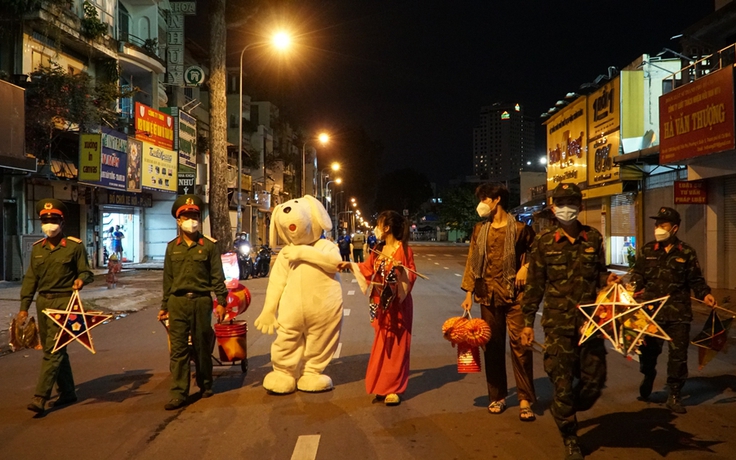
point(712, 339)
point(75, 323)
point(622, 320)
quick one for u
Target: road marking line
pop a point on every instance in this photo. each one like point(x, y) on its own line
point(306, 447)
point(337, 352)
point(353, 280)
point(345, 312)
point(430, 255)
point(446, 268)
point(436, 263)
point(351, 292)
point(458, 274)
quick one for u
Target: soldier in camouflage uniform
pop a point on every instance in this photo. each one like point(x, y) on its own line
point(58, 266)
point(192, 270)
point(567, 266)
point(668, 266)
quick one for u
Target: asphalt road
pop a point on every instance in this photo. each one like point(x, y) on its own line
point(123, 388)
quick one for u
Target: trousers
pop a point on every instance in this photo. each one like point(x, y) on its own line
point(679, 332)
point(55, 367)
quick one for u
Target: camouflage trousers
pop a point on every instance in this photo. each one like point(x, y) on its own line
point(679, 332)
point(578, 374)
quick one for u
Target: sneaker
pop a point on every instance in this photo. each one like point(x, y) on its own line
point(392, 400)
point(647, 383)
point(37, 405)
point(675, 404)
point(64, 399)
point(206, 393)
point(175, 404)
point(572, 449)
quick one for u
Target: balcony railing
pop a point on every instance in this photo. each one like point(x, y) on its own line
point(702, 67)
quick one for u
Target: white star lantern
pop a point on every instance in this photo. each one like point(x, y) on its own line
point(621, 319)
point(75, 323)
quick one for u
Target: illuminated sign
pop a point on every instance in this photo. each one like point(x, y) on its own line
point(604, 123)
point(154, 126)
point(566, 145)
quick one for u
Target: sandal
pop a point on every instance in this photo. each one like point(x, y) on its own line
point(526, 414)
point(497, 407)
point(392, 400)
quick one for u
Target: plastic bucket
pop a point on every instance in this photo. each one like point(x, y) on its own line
point(468, 359)
point(231, 340)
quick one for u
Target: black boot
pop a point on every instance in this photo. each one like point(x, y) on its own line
point(572, 449)
point(647, 383)
point(674, 403)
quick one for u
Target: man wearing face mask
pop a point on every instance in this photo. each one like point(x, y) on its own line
point(58, 267)
point(495, 274)
point(668, 266)
point(192, 270)
point(566, 269)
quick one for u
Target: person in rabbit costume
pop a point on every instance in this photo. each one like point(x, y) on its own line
point(304, 289)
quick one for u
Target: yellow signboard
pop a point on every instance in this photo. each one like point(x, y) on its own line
point(90, 154)
point(604, 123)
point(567, 144)
point(159, 168)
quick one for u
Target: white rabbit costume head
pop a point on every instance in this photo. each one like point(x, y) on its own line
point(299, 221)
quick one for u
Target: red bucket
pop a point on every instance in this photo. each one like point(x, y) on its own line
point(468, 359)
point(231, 340)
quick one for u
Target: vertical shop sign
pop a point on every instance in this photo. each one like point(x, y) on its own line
point(90, 147)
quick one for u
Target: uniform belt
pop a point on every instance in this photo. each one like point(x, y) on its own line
point(54, 295)
point(191, 295)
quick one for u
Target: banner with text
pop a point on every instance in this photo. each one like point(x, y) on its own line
point(697, 119)
point(133, 175)
point(567, 145)
point(604, 123)
point(158, 169)
point(154, 126)
point(694, 192)
point(89, 157)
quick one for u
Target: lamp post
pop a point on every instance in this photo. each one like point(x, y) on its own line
point(281, 41)
point(335, 166)
point(323, 138)
point(337, 181)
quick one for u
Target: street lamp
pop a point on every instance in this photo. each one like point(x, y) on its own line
point(280, 40)
point(323, 138)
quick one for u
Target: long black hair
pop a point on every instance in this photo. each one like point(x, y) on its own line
point(399, 227)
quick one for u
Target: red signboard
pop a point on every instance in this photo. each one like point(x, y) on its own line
point(693, 192)
point(697, 119)
point(154, 126)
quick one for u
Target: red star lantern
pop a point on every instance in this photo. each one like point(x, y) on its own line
point(75, 323)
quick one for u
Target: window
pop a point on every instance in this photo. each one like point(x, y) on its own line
point(40, 60)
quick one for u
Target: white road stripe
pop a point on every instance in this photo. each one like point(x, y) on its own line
point(446, 268)
point(337, 352)
point(353, 280)
point(306, 447)
point(436, 263)
point(351, 292)
point(345, 312)
point(458, 274)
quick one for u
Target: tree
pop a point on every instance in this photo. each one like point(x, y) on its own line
point(219, 209)
point(403, 189)
point(457, 210)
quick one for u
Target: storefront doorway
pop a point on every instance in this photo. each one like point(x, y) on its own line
point(120, 233)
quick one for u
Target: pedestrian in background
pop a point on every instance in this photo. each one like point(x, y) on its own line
point(344, 245)
point(385, 276)
point(495, 275)
point(118, 242)
point(192, 270)
point(371, 241)
point(668, 266)
point(358, 243)
point(58, 267)
point(566, 268)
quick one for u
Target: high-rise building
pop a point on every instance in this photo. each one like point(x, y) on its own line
point(503, 141)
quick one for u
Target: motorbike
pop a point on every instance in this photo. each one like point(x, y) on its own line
point(262, 264)
point(245, 262)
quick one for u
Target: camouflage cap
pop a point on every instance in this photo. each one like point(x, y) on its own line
point(567, 190)
point(50, 206)
point(186, 203)
point(667, 214)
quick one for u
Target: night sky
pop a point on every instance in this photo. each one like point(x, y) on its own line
point(415, 73)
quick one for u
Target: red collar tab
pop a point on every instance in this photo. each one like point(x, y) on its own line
point(656, 246)
point(584, 235)
point(178, 240)
point(558, 235)
point(63, 242)
point(201, 241)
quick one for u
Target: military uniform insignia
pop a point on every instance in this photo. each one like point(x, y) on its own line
point(76, 240)
point(189, 201)
point(662, 211)
point(564, 186)
point(48, 205)
point(39, 241)
point(210, 238)
point(681, 260)
point(590, 249)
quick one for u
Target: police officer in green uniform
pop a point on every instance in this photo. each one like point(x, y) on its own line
point(58, 266)
point(566, 268)
point(192, 270)
point(668, 266)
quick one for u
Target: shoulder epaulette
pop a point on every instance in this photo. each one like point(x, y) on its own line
point(76, 240)
point(210, 238)
point(173, 239)
point(39, 241)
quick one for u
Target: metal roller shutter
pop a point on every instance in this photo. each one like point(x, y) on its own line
point(623, 215)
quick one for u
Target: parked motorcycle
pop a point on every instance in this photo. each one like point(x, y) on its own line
point(262, 264)
point(245, 262)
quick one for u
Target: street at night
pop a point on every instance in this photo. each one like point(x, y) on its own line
point(122, 390)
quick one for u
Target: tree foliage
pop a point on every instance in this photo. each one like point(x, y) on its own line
point(403, 189)
point(457, 210)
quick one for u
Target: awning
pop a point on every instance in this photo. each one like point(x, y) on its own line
point(23, 164)
point(649, 155)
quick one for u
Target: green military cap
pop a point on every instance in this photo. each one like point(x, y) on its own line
point(668, 215)
point(567, 190)
point(50, 206)
point(187, 203)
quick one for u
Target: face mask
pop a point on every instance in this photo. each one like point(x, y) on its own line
point(190, 226)
point(661, 234)
point(483, 210)
point(566, 214)
point(379, 233)
point(50, 230)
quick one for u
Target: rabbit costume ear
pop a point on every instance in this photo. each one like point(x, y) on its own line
point(319, 213)
point(274, 230)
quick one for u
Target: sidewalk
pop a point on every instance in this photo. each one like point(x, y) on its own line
point(137, 289)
